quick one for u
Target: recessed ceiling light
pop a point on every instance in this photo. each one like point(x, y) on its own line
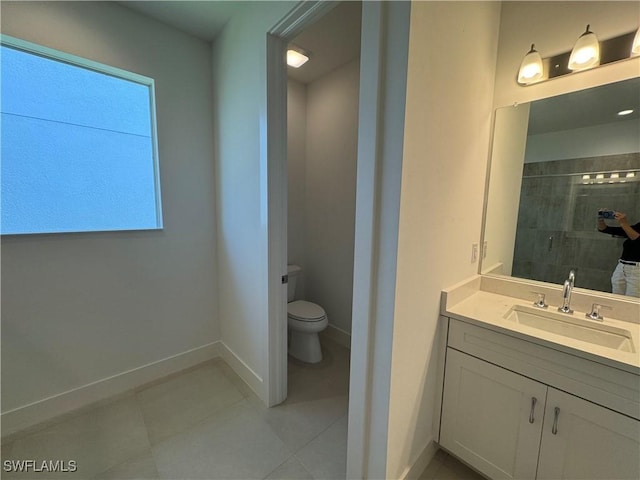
point(625, 112)
point(296, 59)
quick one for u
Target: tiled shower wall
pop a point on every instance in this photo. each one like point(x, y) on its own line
point(557, 220)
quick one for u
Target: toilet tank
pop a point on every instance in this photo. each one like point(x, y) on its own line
point(292, 271)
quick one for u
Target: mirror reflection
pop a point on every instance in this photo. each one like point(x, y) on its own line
point(564, 190)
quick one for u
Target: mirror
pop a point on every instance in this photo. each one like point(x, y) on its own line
point(554, 163)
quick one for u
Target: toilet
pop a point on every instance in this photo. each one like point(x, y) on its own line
point(305, 321)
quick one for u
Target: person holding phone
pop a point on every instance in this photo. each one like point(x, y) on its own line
point(626, 276)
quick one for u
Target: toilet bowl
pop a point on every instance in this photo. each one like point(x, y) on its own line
point(305, 321)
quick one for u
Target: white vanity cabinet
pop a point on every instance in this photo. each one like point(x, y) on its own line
point(491, 417)
point(505, 413)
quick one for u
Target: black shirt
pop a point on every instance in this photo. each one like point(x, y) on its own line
point(630, 248)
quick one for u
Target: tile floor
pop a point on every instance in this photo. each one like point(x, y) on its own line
point(205, 423)
point(445, 467)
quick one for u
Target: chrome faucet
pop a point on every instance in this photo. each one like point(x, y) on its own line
point(566, 293)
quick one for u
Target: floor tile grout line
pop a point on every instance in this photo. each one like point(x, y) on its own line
point(146, 431)
point(195, 425)
point(283, 462)
point(303, 465)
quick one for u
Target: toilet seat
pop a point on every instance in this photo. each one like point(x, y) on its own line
point(304, 311)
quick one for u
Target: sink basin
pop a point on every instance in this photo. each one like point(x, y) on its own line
point(572, 327)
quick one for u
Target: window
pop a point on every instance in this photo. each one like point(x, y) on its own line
point(78, 144)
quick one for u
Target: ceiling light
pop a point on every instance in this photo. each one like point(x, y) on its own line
point(296, 59)
point(622, 113)
point(635, 47)
point(531, 67)
point(586, 52)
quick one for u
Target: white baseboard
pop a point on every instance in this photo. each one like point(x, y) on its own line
point(338, 335)
point(243, 370)
point(413, 472)
point(27, 416)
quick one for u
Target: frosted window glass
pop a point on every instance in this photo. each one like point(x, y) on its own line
point(77, 148)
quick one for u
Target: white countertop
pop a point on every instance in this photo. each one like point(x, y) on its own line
point(489, 310)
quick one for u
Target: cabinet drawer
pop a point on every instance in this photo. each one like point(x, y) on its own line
point(601, 384)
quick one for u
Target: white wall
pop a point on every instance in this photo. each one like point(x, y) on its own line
point(77, 308)
point(330, 191)
point(554, 27)
point(239, 79)
point(446, 143)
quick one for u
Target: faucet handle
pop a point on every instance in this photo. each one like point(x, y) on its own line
point(540, 303)
point(595, 312)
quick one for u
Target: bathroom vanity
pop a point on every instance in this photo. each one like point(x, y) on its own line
point(530, 392)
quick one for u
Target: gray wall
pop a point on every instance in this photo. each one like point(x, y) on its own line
point(77, 308)
point(330, 191)
point(323, 116)
point(554, 203)
point(296, 146)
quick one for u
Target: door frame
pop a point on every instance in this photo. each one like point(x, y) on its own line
point(299, 18)
point(383, 75)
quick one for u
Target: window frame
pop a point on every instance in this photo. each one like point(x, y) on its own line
point(77, 61)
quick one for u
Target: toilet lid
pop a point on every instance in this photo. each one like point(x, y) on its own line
point(305, 311)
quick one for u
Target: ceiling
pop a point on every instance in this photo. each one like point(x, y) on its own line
point(585, 108)
point(202, 19)
point(332, 41)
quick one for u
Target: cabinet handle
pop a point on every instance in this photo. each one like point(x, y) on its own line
point(534, 400)
point(556, 414)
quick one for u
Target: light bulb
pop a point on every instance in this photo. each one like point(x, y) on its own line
point(586, 52)
point(530, 68)
point(296, 59)
point(635, 47)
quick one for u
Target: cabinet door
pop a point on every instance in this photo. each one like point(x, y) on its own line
point(583, 441)
point(490, 418)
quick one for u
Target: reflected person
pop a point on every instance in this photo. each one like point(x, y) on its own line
point(626, 276)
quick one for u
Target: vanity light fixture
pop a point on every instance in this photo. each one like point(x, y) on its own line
point(531, 67)
point(635, 47)
point(586, 52)
point(606, 178)
point(295, 58)
point(622, 113)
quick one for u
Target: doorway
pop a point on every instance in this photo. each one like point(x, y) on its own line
point(322, 135)
point(385, 27)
